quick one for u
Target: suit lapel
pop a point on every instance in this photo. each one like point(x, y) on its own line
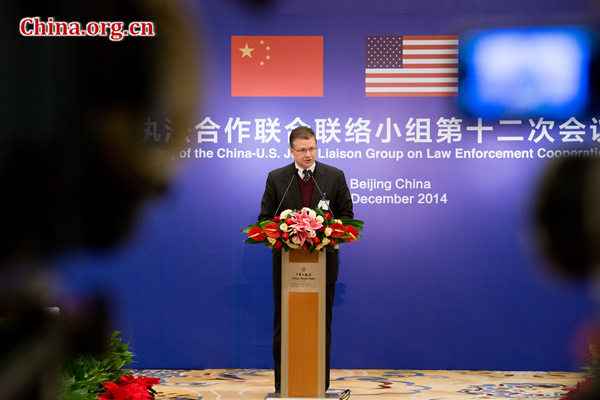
point(320, 178)
point(295, 197)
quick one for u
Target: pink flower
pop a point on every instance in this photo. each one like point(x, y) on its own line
point(303, 225)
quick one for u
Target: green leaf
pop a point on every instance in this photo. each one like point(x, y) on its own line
point(358, 224)
point(84, 374)
point(247, 229)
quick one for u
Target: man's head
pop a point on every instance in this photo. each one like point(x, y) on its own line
point(303, 146)
point(93, 159)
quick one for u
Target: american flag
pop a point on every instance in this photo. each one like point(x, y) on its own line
point(411, 66)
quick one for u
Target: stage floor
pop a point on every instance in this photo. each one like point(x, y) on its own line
point(224, 384)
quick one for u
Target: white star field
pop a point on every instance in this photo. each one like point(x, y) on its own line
point(384, 52)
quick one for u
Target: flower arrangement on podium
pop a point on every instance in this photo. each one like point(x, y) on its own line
point(311, 229)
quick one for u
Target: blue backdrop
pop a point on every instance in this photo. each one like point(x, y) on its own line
point(450, 280)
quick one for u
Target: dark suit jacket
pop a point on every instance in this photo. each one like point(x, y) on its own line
point(333, 184)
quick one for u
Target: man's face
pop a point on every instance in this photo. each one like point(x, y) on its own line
point(304, 152)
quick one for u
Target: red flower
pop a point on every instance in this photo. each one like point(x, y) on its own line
point(322, 229)
point(285, 235)
point(257, 234)
point(350, 230)
point(316, 240)
point(337, 230)
point(126, 392)
point(277, 218)
point(580, 390)
point(328, 216)
point(139, 380)
point(272, 231)
point(129, 388)
point(289, 221)
point(278, 244)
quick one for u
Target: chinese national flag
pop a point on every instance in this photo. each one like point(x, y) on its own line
point(276, 66)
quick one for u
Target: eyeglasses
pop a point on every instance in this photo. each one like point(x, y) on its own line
point(309, 150)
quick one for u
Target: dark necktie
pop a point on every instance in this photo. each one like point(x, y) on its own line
point(305, 175)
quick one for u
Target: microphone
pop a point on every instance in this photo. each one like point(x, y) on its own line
point(310, 174)
point(284, 193)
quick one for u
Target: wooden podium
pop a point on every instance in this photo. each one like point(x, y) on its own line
point(303, 285)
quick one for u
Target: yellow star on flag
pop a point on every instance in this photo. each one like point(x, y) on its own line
point(246, 51)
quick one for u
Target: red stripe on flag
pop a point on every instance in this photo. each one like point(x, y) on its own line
point(410, 46)
point(411, 84)
point(407, 66)
point(430, 37)
point(428, 75)
point(428, 56)
point(411, 94)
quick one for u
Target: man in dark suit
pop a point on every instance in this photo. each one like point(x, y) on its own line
point(293, 187)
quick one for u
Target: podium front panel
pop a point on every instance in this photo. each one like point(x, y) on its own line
point(303, 288)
